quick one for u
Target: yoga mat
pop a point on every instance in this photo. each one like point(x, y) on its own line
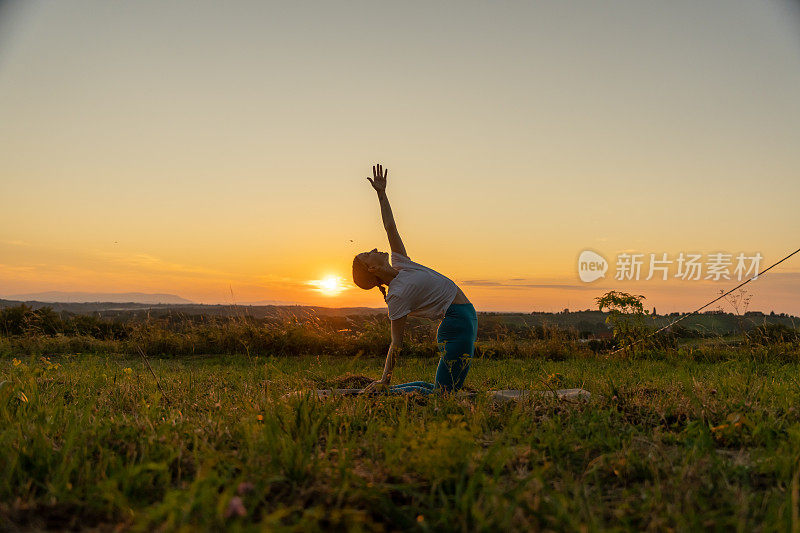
point(497, 395)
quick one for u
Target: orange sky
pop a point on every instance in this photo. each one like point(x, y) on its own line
point(221, 153)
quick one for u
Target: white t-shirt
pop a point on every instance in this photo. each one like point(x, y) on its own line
point(418, 290)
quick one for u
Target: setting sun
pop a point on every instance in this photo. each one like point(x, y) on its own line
point(329, 286)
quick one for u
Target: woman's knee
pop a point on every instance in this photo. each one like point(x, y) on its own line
point(451, 373)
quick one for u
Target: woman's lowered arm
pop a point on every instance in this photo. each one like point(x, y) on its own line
point(398, 326)
point(378, 182)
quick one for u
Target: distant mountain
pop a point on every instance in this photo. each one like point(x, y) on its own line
point(112, 309)
point(91, 297)
point(268, 302)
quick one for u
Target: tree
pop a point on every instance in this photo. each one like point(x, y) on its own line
point(626, 315)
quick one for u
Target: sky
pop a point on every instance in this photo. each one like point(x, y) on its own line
point(219, 151)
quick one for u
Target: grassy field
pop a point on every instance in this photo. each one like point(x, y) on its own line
point(666, 442)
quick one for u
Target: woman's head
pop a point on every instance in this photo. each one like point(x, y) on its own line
point(366, 267)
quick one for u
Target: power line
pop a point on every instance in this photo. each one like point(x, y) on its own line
point(721, 296)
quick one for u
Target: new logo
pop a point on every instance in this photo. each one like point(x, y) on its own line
point(591, 266)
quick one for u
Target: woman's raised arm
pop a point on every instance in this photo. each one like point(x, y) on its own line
point(378, 182)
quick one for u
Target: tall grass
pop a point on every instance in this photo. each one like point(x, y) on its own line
point(41, 332)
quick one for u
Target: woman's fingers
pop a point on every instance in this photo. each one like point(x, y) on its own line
point(374, 387)
point(378, 173)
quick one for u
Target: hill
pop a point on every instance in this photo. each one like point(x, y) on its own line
point(90, 297)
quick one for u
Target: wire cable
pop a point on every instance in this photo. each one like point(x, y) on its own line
point(721, 296)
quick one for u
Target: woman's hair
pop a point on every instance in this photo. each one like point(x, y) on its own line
point(364, 278)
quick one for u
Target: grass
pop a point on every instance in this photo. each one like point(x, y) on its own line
point(665, 443)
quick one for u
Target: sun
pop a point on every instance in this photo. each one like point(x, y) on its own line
point(329, 285)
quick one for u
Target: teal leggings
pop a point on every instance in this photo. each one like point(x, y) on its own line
point(456, 340)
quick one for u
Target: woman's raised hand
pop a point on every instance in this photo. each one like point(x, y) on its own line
point(378, 179)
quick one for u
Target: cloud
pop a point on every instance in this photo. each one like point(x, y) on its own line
point(16, 270)
point(150, 262)
point(505, 284)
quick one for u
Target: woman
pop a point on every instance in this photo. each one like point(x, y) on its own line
point(416, 290)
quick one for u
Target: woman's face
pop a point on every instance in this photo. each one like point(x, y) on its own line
point(374, 259)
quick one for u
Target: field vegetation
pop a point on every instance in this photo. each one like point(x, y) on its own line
point(182, 423)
